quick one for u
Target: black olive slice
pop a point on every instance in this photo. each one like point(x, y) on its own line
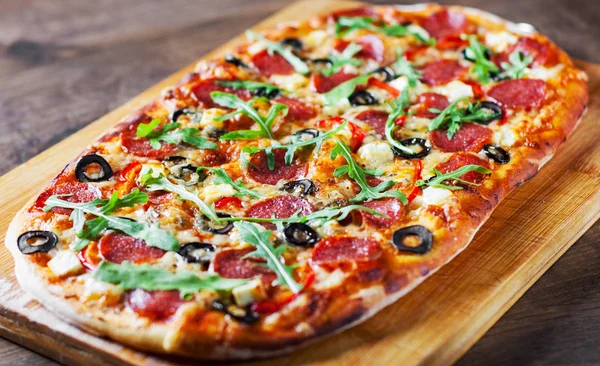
point(244, 315)
point(231, 59)
point(50, 241)
point(213, 227)
point(214, 133)
point(307, 186)
point(323, 61)
point(178, 113)
point(414, 141)
point(262, 92)
point(496, 153)
point(362, 97)
point(300, 234)
point(421, 232)
point(305, 134)
point(83, 163)
point(197, 252)
point(295, 43)
point(495, 113)
point(173, 160)
point(385, 74)
point(468, 54)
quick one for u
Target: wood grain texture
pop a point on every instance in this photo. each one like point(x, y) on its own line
point(77, 64)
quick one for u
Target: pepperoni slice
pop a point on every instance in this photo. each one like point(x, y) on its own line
point(446, 23)
point(260, 172)
point(530, 47)
point(461, 159)
point(156, 305)
point(323, 84)
point(297, 110)
point(280, 207)
point(470, 137)
point(372, 47)
point(387, 206)
point(118, 247)
point(375, 119)
point(80, 192)
point(202, 90)
point(346, 248)
point(159, 197)
point(519, 93)
point(273, 64)
point(441, 72)
point(431, 100)
point(140, 146)
point(355, 12)
point(232, 264)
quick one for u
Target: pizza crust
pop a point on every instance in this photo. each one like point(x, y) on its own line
point(166, 338)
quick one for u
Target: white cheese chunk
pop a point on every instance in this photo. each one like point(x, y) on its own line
point(500, 41)
point(455, 90)
point(375, 154)
point(255, 48)
point(94, 290)
point(65, 263)
point(208, 118)
point(436, 196)
point(249, 292)
point(315, 38)
point(399, 83)
point(504, 136)
point(543, 73)
point(290, 82)
point(215, 192)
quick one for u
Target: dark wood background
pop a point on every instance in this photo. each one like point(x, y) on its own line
point(64, 63)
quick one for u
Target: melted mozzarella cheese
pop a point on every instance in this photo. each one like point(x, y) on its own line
point(504, 136)
point(375, 154)
point(290, 82)
point(208, 118)
point(436, 196)
point(325, 280)
point(499, 41)
point(65, 263)
point(455, 90)
point(543, 73)
point(315, 38)
point(212, 193)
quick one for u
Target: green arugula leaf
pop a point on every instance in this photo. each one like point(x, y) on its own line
point(89, 230)
point(251, 85)
point(238, 185)
point(517, 66)
point(406, 68)
point(160, 182)
point(438, 180)
point(264, 123)
point(357, 173)
point(146, 277)
point(345, 58)
point(293, 146)
point(186, 135)
point(317, 218)
point(452, 118)
point(345, 89)
point(345, 25)
point(398, 106)
point(482, 66)
point(299, 65)
point(252, 234)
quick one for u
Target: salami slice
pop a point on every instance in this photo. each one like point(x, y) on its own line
point(355, 12)
point(323, 84)
point(446, 23)
point(387, 206)
point(140, 146)
point(519, 93)
point(375, 119)
point(232, 264)
point(159, 197)
point(273, 64)
point(78, 191)
point(541, 53)
point(372, 47)
point(260, 172)
point(470, 137)
point(441, 72)
point(297, 110)
point(346, 248)
point(431, 100)
point(156, 305)
point(461, 159)
point(118, 247)
point(201, 92)
point(279, 207)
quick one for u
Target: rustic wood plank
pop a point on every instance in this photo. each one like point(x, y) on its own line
point(75, 65)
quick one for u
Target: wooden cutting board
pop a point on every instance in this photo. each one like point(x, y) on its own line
point(434, 324)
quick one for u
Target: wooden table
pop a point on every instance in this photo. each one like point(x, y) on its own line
point(64, 63)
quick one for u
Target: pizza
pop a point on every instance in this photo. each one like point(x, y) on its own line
point(296, 186)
